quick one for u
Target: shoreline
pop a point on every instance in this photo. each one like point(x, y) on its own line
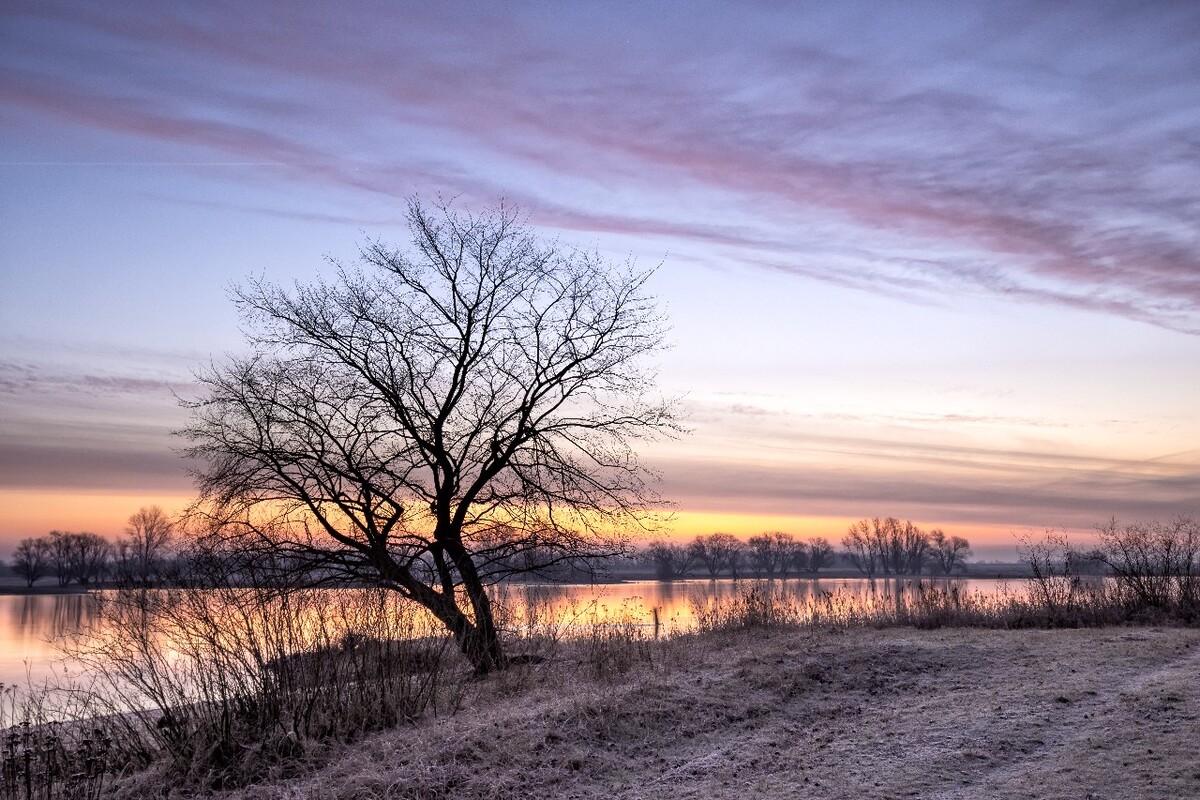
point(1000, 571)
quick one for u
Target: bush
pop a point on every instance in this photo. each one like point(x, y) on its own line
point(230, 684)
point(1156, 565)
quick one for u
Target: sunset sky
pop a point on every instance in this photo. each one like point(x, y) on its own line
point(939, 261)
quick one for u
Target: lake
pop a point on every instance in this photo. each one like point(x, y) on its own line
point(34, 627)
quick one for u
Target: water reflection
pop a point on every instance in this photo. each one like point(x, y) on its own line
point(32, 628)
point(672, 607)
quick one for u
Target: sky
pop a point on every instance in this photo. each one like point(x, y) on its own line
point(939, 261)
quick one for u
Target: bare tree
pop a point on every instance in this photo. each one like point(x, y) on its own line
point(794, 555)
point(671, 561)
point(418, 420)
point(862, 547)
point(820, 553)
point(764, 553)
point(950, 553)
point(718, 552)
point(909, 548)
point(31, 560)
point(886, 545)
point(776, 552)
point(90, 557)
point(1053, 582)
point(141, 551)
point(1155, 564)
point(59, 547)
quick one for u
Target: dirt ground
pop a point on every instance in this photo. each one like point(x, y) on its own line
point(960, 713)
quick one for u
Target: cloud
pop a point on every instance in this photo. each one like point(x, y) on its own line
point(102, 423)
point(995, 469)
point(980, 155)
point(973, 486)
point(42, 467)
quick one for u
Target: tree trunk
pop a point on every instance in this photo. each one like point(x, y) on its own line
point(477, 640)
point(481, 645)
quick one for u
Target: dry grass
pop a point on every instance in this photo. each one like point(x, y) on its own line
point(766, 692)
point(963, 713)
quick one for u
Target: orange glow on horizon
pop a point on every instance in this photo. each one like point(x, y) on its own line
point(686, 525)
point(33, 513)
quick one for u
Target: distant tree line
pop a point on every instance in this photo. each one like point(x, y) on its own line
point(886, 546)
point(137, 558)
point(876, 546)
point(773, 554)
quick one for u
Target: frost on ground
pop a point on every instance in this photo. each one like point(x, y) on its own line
point(957, 713)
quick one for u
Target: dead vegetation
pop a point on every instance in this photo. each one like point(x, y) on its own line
point(931, 691)
point(965, 713)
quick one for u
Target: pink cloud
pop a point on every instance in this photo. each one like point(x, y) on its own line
point(1024, 175)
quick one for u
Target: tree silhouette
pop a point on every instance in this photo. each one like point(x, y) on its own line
point(421, 420)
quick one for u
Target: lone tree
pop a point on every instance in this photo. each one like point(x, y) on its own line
point(434, 419)
point(950, 553)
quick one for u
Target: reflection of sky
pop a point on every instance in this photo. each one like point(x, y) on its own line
point(937, 261)
point(32, 628)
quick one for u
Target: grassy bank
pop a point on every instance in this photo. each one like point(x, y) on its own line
point(316, 695)
point(969, 713)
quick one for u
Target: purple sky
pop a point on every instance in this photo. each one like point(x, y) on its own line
point(934, 260)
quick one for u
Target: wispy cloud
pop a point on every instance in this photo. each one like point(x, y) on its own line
point(74, 425)
point(1052, 160)
point(991, 469)
point(997, 487)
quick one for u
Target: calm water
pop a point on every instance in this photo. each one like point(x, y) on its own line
point(32, 628)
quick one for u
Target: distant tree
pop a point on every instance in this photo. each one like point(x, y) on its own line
point(862, 547)
point(820, 553)
point(140, 553)
point(91, 556)
point(31, 560)
point(60, 547)
point(776, 553)
point(736, 559)
point(949, 553)
point(764, 553)
point(717, 552)
point(886, 545)
point(909, 548)
point(796, 558)
point(671, 561)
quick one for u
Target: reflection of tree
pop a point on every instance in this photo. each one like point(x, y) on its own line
point(53, 616)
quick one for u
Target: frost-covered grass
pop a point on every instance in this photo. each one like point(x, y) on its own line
point(929, 691)
point(970, 713)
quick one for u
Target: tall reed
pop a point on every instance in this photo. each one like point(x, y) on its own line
point(230, 683)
